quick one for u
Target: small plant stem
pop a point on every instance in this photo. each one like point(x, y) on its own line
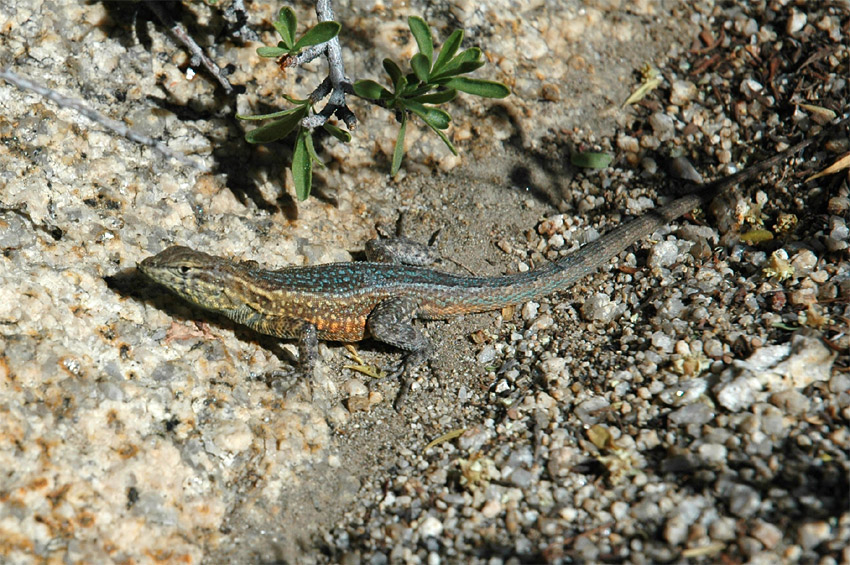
point(336, 73)
point(183, 37)
point(238, 12)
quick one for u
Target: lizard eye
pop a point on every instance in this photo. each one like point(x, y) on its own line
point(184, 269)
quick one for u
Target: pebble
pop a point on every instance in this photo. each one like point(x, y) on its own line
point(491, 508)
point(839, 382)
point(737, 394)
point(838, 228)
point(355, 387)
point(486, 355)
point(600, 308)
point(676, 530)
point(682, 169)
point(838, 205)
point(662, 254)
point(562, 460)
point(791, 402)
point(682, 92)
point(662, 124)
point(529, 310)
point(684, 391)
point(662, 341)
point(804, 262)
point(796, 22)
point(811, 534)
point(521, 478)
point(357, 404)
point(698, 414)
point(723, 529)
point(590, 410)
point(712, 453)
point(768, 534)
point(744, 500)
point(750, 87)
point(628, 143)
point(550, 92)
point(430, 527)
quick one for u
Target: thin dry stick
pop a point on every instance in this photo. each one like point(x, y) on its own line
point(113, 125)
point(183, 37)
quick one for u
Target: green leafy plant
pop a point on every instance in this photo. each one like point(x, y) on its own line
point(432, 81)
point(286, 24)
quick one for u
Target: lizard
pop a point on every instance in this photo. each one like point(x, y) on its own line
point(351, 301)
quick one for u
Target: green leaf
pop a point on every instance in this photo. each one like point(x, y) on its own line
point(398, 150)
point(338, 133)
point(298, 101)
point(439, 97)
point(467, 61)
point(273, 52)
point(400, 85)
point(371, 90)
point(422, 34)
point(269, 116)
point(393, 71)
point(448, 50)
point(319, 33)
point(484, 88)
point(311, 151)
point(285, 25)
point(591, 160)
point(432, 116)
point(278, 129)
point(471, 55)
point(421, 66)
point(442, 136)
point(302, 166)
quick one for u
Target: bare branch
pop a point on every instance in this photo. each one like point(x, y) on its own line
point(183, 37)
point(95, 116)
point(339, 83)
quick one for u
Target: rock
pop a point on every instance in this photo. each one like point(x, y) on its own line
point(712, 453)
point(589, 410)
point(682, 92)
point(744, 500)
point(662, 254)
point(768, 534)
point(430, 527)
point(737, 394)
point(796, 22)
point(697, 413)
point(599, 308)
point(812, 534)
point(561, 461)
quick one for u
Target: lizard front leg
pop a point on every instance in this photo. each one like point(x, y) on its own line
point(304, 331)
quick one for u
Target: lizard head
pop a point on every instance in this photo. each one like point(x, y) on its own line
point(193, 275)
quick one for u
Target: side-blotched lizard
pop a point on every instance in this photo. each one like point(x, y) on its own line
point(351, 301)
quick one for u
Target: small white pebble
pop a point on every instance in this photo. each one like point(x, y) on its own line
point(796, 22)
point(750, 87)
point(662, 254)
point(430, 527)
point(355, 387)
point(682, 92)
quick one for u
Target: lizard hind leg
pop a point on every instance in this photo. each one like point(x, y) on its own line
point(401, 250)
point(391, 322)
